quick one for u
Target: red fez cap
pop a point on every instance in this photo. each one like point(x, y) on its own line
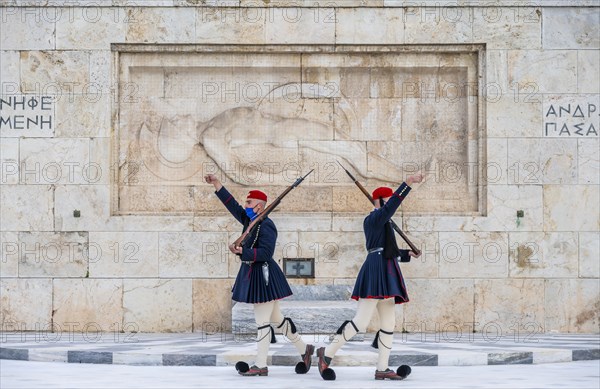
point(382, 192)
point(257, 194)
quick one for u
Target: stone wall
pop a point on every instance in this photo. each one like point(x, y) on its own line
point(77, 254)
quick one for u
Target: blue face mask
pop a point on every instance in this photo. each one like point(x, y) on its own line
point(251, 214)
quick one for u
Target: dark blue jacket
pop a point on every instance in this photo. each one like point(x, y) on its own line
point(264, 247)
point(376, 225)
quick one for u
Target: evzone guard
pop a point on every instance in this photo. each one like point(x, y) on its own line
point(379, 284)
point(260, 281)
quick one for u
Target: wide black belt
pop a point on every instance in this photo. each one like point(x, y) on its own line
point(375, 250)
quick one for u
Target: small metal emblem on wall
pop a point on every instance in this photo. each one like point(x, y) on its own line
point(299, 267)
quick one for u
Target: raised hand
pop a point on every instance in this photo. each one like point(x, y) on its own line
point(212, 179)
point(416, 178)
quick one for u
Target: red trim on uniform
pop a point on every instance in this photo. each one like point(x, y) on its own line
point(228, 199)
point(376, 297)
point(254, 255)
point(380, 297)
point(250, 272)
point(400, 197)
point(279, 298)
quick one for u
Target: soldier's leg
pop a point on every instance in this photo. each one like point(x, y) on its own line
point(285, 326)
point(262, 315)
point(385, 335)
point(364, 312)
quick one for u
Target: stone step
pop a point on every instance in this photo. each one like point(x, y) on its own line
point(320, 292)
point(310, 317)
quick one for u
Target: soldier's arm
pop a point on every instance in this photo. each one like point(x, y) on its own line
point(404, 255)
point(386, 212)
point(226, 198)
point(232, 205)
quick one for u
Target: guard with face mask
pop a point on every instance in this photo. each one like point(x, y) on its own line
point(260, 281)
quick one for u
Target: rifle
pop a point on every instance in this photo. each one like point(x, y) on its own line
point(239, 242)
point(392, 223)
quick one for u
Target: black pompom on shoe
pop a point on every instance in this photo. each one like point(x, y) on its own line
point(404, 371)
point(242, 367)
point(328, 374)
point(301, 368)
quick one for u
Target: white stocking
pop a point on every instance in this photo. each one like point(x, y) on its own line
point(262, 315)
point(364, 312)
point(387, 322)
point(284, 327)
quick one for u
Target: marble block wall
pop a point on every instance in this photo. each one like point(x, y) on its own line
point(92, 241)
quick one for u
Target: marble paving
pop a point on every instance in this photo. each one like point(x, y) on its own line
point(198, 349)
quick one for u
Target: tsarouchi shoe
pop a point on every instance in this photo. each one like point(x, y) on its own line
point(304, 366)
point(387, 374)
point(326, 372)
point(255, 371)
